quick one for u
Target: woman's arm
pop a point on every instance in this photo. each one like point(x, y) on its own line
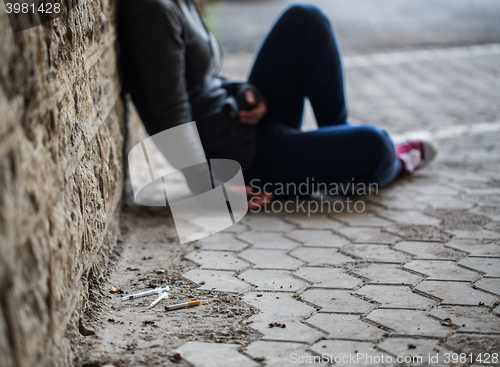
point(157, 51)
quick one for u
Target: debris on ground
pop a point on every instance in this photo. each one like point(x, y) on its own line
point(277, 324)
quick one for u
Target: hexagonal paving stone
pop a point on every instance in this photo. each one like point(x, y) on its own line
point(409, 217)
point(476, 247)
point(328, 278)
point(336, 301)
point(419, 233)
point(456, 293)
point(214, 355)
point(278, 304)
point(222, 281)
point(313, 221)
point(445, 202)
point(441, 270)
point(217, 260)
point(281, 353)
point(362, 219)
point(368, 235)
point(429, 250)
point(270, 259)
point(489, 284)
point(266, 222)
point(222, 241)
point(492, 212)
point(497, 310)
point(409, 322)
point(386, 274)
point(382, 253)
point(477, 234)
point(268, 240)
point(489, 266)
point(395, 297)
point(317, 238)
point(273, 280)
point(349, 353)
point(414, 352)
point(470, 319)
point(399, 202)
point(343, 326)
point(235, 228)
point(294, 330)
point(321, 256)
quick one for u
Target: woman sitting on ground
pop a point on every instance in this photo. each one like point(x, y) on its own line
point(171, 61)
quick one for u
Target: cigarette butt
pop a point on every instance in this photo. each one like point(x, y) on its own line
point(182, 305)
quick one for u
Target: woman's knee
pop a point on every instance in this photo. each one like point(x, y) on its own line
point(308, 13)
point(377, 143)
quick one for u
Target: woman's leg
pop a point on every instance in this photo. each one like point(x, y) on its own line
point(335, 154)
point(300, 58)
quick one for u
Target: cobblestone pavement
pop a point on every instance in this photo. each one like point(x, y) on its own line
point(417, 273)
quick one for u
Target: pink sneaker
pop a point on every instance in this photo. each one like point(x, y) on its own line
point(415, 155)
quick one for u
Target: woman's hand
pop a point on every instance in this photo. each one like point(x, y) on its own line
point(257, 201)
point(254, 115)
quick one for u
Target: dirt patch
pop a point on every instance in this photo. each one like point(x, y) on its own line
point(128, 333)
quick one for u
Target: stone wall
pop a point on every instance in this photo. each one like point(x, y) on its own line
point(62, 130)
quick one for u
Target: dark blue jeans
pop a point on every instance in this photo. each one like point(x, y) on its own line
point(299, 59)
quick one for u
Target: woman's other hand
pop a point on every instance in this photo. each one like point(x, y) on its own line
point(258, 200)
point(254, 115)
point(255, 200)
